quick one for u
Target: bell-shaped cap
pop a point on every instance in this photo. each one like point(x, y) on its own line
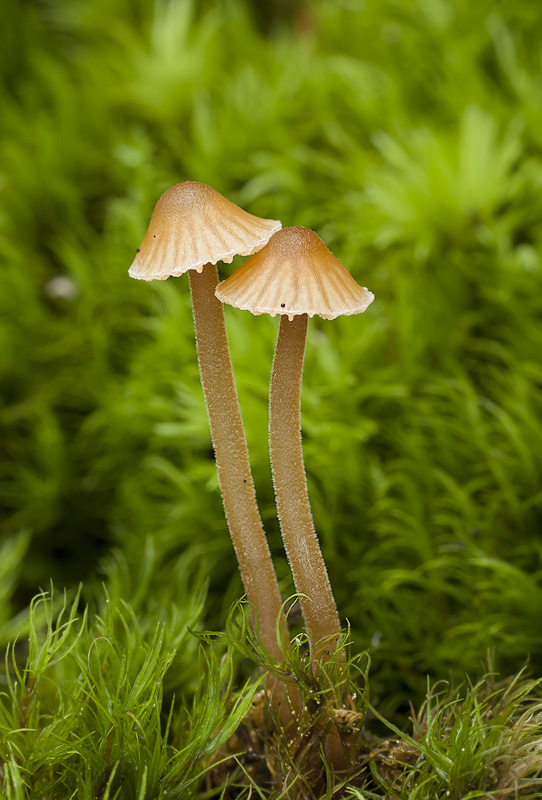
point(193, 225)
point(294, 273)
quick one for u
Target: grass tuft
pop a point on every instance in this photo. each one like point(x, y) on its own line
point(84, 713)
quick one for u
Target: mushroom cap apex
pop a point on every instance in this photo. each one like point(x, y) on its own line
point(186, 197)
point(296, 241)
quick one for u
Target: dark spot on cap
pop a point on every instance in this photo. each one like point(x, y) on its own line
point(138, 249)
point(244, 480)
point(154, 236)
point(283, 305)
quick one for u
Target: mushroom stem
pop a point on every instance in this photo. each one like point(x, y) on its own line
point(231, 454)
point(298, 533)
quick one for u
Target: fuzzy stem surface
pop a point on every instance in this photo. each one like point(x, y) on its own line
point(231, 454)
point(298, 533)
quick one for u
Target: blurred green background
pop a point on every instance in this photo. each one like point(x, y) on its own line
point(408, 134)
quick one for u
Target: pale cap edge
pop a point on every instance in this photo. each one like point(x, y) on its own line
point(273, 312)
point(227, 258)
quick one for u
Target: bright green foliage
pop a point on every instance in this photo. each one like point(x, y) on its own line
point(409, 135)
point(89, 713)
point(84, 717)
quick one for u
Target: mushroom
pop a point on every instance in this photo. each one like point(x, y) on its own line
point(192, 227)
point(296, 276)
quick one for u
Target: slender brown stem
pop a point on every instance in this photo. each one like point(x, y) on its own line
point(231, 455)
point(298, 533)
point(300, 540)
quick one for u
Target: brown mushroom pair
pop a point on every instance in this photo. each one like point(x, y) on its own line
point(292, 274)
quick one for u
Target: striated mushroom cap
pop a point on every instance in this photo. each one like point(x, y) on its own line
point(294, 273)
point(193, 225)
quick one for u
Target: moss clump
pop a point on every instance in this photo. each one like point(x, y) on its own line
point(87, 710)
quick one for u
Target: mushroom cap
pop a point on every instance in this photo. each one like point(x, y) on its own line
point(193, 225)
point(294, 273)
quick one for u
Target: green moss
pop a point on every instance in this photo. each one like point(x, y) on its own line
point(408, 135)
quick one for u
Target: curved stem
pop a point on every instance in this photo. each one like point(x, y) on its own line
point(231, 455)
point(300, 540)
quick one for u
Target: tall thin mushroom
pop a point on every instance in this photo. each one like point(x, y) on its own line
point(296, 276)
point(191, 229)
